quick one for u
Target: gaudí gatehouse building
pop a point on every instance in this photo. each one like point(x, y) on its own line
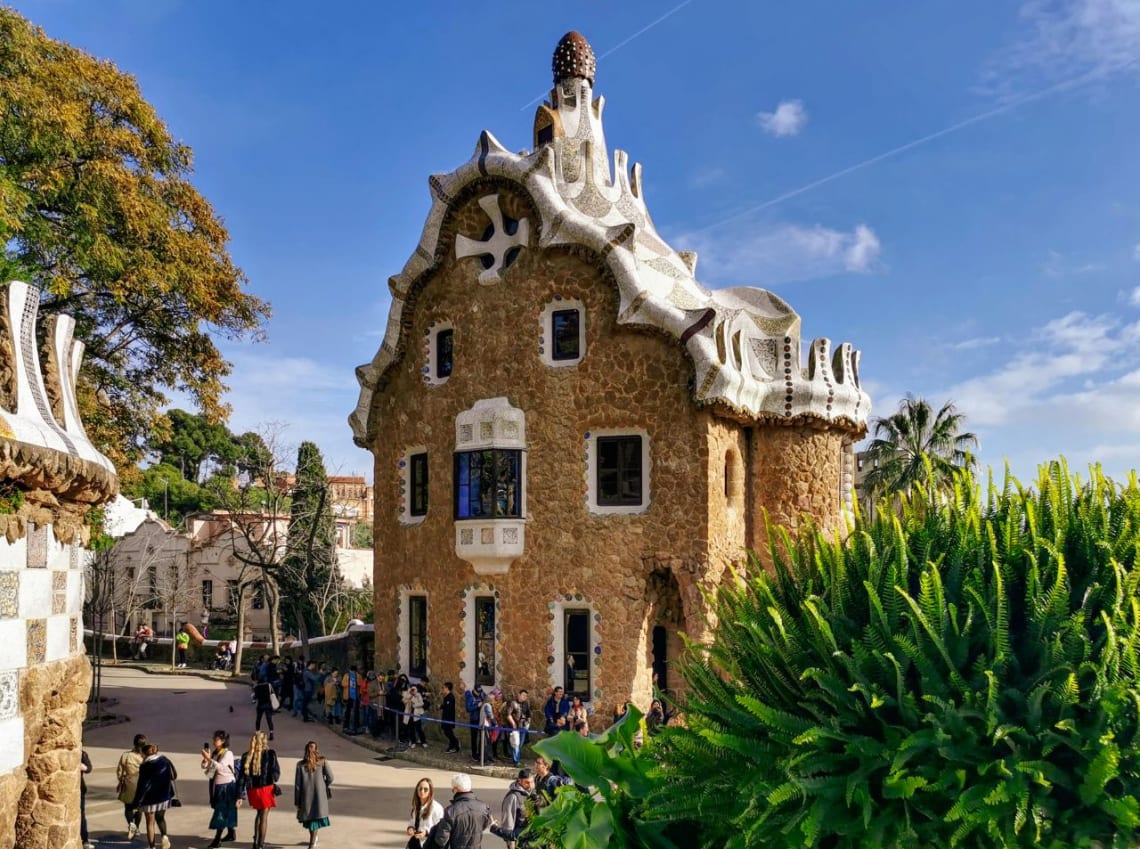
point(572, 436)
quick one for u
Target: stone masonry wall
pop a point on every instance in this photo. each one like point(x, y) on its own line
point(573, 558)
point(795, 471)
point(53, 700)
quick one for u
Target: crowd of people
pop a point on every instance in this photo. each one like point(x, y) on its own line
point(389, 704)
point(147, 788)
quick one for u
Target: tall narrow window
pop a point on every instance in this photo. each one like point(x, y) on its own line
point(487, 484)
point(152, 600)
point(564, 328)
point(258, 600)
point(207, 594)
point(419, 484)
point(485, 659)
point(417, 636)
point(577, 652)
point(444, 348)
point(619, 471)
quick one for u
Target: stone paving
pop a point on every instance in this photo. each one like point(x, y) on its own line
point(371, 796)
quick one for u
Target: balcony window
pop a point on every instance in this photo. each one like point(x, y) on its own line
point(488, 484)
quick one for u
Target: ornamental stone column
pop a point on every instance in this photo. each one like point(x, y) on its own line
point(50, 476)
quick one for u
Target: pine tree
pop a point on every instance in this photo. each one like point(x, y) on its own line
point(308, 580)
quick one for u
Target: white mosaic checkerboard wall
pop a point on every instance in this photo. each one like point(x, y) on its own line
point(41, 605)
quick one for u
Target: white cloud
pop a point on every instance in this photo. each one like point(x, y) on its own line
point(1136, 253)
point(863, 252)
point(788, 119)
point(311, 399)
point(1056, 264)
point(1066, 373)
point(706, 177)
point(781, 253)
point(1134, 299)
point(975, 343)
point(1069, 39)
point(1070, 386)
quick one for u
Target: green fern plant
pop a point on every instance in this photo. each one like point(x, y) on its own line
point(959, 671)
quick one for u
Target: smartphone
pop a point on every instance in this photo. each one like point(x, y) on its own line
point(206, 746)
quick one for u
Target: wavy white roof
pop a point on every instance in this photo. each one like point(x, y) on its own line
point(744, 343)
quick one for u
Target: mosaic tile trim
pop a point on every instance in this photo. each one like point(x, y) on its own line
point(37, 641)
point(9, 595)
point(9, 694)
point(58, 593)
point(37, 546)
point(73, 641)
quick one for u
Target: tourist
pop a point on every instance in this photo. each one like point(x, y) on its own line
point(182, 645)
point(513, 724)
point(373, 690)
point(524, 707)
point(155, 792)
point(464, 820)
point(332, 694)
point(350, 695)
point(257, 782)
point(547, 781)
point(143, 636)
point(312, 789)
point(514, 820)
point(498, 733)
point(488, 723)
point(578, 712)
point(84, 769)
point(473, 701)
point(413, 716)
point(312, 683)
point(656, 718)
point(582, 729)
point(447, 715)
point(297, 700)
point(556, 711)
point(127, 776)
point(621, 710)
point(363, 724)
point(218, 764)
point(263, 697)
point(426, 814)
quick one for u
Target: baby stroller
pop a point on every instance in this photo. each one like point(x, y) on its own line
point(224, 661)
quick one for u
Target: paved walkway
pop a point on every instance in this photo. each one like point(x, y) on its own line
point(371, 796)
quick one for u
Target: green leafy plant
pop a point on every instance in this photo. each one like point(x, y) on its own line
point(959, 672)
point(11, 498)
point(611, 777)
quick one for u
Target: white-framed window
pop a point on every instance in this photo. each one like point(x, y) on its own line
point(413, 643)
point(413, 476)
point(563, 339)
point(439, 352)
point(617, 471)
point(481, 651)
point(576, 647)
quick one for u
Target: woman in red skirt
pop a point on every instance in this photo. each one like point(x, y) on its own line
point(257, 781)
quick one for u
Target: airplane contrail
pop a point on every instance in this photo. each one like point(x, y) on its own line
point(621, 44)
point(1073, 82)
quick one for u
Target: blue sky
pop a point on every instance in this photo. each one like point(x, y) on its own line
point(996, 264)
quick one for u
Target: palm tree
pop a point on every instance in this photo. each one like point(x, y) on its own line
point(914, 436)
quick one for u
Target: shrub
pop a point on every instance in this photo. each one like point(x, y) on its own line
point(959, 672)
point(611, 775)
